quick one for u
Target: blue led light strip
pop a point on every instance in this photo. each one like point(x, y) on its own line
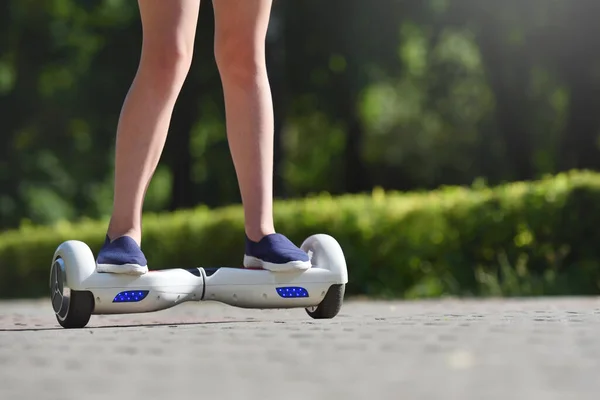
point(130, 296)
point(292, 292)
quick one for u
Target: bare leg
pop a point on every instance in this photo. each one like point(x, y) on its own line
point(169, 29)
point(241, 27)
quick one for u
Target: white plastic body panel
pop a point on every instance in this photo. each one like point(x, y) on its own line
point(234, 286)
point(167, 288)
point(258, 288)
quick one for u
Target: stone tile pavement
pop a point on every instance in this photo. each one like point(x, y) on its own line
point(546, 348)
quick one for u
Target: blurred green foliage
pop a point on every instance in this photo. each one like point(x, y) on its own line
point(397, 94)
point(517, 239)
point(372, 99)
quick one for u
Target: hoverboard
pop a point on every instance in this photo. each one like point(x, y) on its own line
point(77, 291)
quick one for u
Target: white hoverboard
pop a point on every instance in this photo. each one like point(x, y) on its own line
point(77, 291)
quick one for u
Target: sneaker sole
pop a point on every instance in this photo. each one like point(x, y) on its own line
point(125, 269)
point(253, 262)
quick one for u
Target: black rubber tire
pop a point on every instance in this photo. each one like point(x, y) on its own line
point(81, 306)
point(331, 304)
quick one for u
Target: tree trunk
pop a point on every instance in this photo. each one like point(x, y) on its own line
point(579, 144)
point(509, 83)
point(275, 48)
point(356, 177)
point(579, 148)
point(178, 148)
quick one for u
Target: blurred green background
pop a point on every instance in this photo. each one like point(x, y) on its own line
point(388, 95)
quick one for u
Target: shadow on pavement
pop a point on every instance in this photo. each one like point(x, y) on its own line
point(132, 325)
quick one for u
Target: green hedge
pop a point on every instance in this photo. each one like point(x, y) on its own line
point(536, 238)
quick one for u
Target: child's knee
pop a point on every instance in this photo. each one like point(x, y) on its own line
point(239, 58)
point(167, 62)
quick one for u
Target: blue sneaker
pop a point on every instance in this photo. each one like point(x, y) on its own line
point(121, 256)
point(275, 252)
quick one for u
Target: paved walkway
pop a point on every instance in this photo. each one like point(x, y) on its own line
point(480, 350)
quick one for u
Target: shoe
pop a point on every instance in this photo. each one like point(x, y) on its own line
point(121, 256)
point(276, 253)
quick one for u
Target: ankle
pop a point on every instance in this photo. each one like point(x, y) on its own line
point(114, 234)
point(257, 234)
